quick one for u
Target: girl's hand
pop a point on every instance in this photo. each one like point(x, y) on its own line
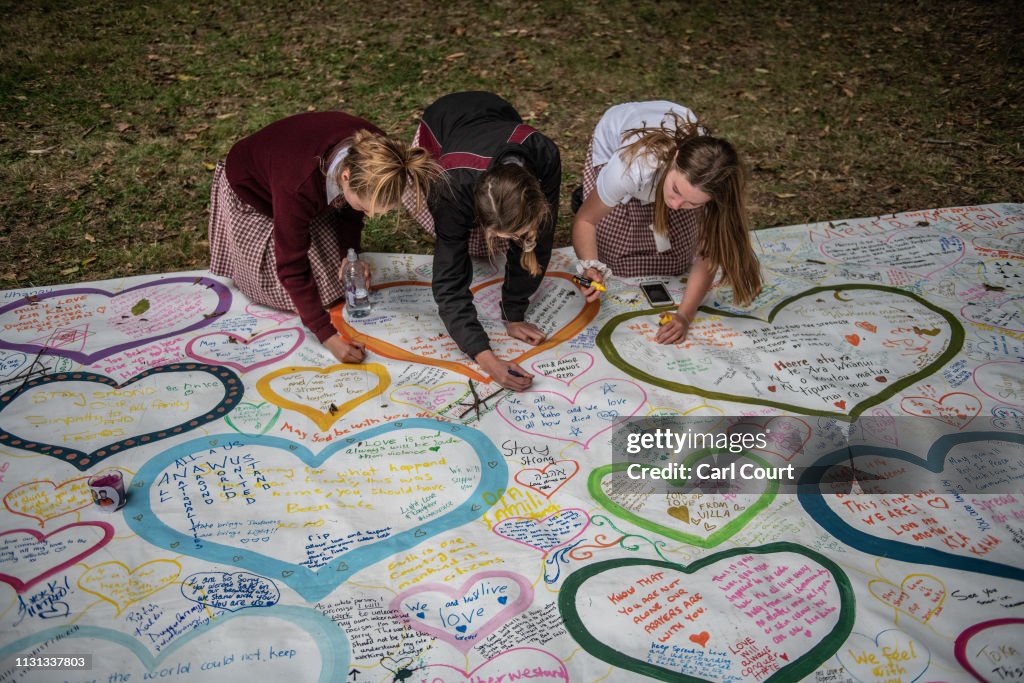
point(506, 373)
point(345, 351)
point(674, 331)
point(366, 271)
point(527, 332)
point(595, 275)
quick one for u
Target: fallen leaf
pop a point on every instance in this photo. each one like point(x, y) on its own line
point(453, 56)
point(89, 260)
point(209, 166)
point(68, 271)
point(122, 127)
point(89, 238)
point(140, 307)
point(784, 195)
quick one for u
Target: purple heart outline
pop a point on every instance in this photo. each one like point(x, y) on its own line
point(233, 391)
point(223, 305)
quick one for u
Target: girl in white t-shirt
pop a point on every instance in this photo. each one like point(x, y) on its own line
point(663, 197)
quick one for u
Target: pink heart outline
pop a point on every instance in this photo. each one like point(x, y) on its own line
point(22, 586)
point(620, 418)
point(539, 522)
point(463, 675)
point(245, 342)
point(533, 366)
point(960, 645)
point(513, 607)
point(576, 469)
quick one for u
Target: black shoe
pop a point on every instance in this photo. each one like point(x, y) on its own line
point(576, 201)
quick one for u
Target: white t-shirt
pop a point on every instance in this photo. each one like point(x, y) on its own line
point(618, 182)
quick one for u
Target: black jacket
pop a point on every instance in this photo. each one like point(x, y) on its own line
point(473, 131)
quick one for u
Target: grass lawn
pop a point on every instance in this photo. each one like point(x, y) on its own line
point(112, 114)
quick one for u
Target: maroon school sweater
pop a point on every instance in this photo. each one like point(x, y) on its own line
point(276, 170)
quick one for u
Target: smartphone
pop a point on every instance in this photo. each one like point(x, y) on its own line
point(656, 293)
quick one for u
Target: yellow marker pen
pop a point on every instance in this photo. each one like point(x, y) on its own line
point(587, 282)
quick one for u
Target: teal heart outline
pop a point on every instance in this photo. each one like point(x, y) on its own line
point(794, 671)
point(314, 584)
point(331, 640)
point(811, 499)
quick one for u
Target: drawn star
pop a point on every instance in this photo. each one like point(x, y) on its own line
point(607, 388)
point(576, 431)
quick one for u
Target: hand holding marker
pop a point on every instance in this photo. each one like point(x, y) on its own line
point(586, 283)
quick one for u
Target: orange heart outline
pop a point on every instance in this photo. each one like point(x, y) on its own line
point(582, 319)
point(323, 420)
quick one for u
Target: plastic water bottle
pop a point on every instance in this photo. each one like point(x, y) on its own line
point(357, 296)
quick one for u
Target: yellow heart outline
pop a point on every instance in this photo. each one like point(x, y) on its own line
point(128, 572)
point(321, 419)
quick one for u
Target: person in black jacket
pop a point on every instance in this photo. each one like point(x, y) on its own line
point(500, 194)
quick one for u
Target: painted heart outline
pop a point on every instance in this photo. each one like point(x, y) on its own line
point(604, 342)
point(331, 641)
point(730, 529)
point(233, 391)
point(587, 313)
point(313, 584)
point(106, 535)
point(812, 500)
point(794, 671)
point(249, 345)
point(223, 305)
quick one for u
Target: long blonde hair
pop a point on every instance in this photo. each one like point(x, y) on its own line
point(380, 168)
point(510, 205)
point(712, 166)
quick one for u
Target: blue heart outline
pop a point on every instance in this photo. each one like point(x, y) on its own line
point(313, 584)
point(813, 502)
point(331, 640)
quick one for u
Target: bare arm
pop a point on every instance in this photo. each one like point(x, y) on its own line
point(702, 275)
point(584, 237)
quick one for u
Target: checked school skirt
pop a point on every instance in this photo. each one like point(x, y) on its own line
point(625, 240)
point(242, 248)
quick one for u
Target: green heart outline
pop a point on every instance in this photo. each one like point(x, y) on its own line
point(793, 671)
point(270, 423)
point(956, 342)
point(716, 537)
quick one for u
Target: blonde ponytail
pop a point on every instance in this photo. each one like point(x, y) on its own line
point(380, 167)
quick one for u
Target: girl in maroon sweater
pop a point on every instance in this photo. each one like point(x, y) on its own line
point(289, 202)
